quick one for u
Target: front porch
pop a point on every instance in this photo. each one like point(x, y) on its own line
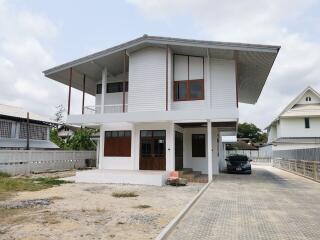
point(145, 153)
point(140, 177)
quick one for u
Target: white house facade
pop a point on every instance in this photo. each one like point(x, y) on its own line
point(298, 125)
point(165, 104)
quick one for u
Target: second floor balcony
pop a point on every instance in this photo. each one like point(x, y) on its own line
point(109, 108)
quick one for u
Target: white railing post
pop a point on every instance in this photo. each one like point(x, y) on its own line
point(103, 91)
point(209, 150)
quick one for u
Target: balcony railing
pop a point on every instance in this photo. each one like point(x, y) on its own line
point(110, 108)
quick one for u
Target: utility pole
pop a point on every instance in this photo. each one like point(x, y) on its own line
point(28, 134)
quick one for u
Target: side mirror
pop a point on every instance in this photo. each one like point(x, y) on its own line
point(250, 160)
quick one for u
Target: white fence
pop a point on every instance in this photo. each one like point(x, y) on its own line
point(17, 162)
point(262, 161)
point(308, 169)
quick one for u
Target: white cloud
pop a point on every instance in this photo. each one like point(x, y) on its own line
point(255, 21)
point(23, 57)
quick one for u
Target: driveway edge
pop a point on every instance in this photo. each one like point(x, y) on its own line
point(169, 227)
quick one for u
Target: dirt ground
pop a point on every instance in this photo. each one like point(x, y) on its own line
point(89, 211)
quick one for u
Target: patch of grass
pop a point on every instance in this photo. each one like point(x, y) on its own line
point(3, 174)
point(142, 206)
point(120, 223)
point(49, 181)
point(124, 194)
point(15, 184)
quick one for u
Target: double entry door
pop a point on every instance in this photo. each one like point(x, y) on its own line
point(152, 150)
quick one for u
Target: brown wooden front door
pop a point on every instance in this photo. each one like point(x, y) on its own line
point(152, 150)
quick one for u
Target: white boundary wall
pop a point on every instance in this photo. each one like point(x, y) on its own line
point(24, 162)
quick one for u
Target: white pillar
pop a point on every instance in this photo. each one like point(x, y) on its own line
point(209, 149)
point(103, 91)
point(101, 146)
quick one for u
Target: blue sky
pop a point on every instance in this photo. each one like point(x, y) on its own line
point(37, 34)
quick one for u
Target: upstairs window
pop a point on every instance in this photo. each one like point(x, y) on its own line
point(116, 87)
point(99, 88)
point(113, 87)
point(308, 99)
point(188, 78)
point(306, 122)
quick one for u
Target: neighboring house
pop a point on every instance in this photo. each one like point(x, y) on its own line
point(166, 103)
point(14, 129)
point(298, 125)
point(66, 130)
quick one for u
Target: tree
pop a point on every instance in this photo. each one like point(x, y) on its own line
point(81, 140)
point(59, 115)
point(251, 131)
point(54, 137)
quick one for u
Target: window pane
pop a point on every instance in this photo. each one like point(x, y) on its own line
point(181, 90)
point(196, 68)
point(99, 89)
point(160, 133)
point(198, 145)
point(307, 122)
point(146, 133)
point(108, 134)
point(121, 133)
point(196, 89)
point(116, 87)
point(114, 134)
point(127, 133)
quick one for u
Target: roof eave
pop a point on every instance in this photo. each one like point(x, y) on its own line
point(165, 41)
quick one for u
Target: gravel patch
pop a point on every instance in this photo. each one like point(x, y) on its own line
point(26, 203)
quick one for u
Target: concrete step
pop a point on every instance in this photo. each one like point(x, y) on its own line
point(187, 170)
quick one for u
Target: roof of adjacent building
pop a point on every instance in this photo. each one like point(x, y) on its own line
point(297, 109)
point(22, 143)
point(21, 113)
point(254, 62)
point(298, 140)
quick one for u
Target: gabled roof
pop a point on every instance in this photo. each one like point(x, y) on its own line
point(254, 62)
point(300, 110)
point(21, 113)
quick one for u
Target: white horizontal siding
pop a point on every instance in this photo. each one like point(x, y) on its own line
point(295, 127)
point(147, 80)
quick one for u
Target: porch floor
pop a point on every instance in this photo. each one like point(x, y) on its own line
point(140, 177)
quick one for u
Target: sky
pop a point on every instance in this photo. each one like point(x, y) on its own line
point(36, 35)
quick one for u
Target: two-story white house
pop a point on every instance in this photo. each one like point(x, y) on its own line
point(165, 104)
point(298, 125)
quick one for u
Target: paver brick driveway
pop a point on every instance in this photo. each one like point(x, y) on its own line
point(269, 204)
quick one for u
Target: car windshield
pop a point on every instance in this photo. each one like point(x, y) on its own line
point(238, 158)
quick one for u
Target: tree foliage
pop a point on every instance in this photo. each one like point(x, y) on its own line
point(251, 131)
point(59, 115)
point(80, 140)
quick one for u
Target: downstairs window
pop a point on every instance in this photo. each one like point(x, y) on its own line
point(117, 144)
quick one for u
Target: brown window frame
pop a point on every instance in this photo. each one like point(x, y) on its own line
point(195, 144)
point(188, 82)
point(120, 142)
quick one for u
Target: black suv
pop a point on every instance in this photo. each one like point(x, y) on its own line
point(238, 164)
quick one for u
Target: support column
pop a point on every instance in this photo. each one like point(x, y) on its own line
point(209, 149)
point(103, 91)
point(124, 83)
point(83, 92)
point(69, 96)
point(101, 147)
